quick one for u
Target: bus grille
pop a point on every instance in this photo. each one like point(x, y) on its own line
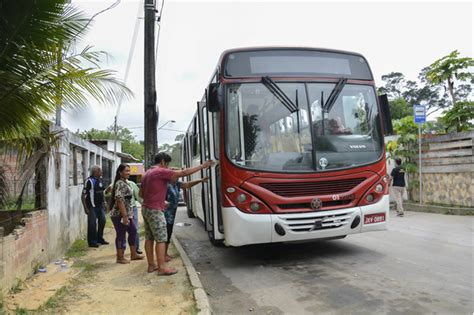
point(300, 189)
point(331, 203)
point(316, 221)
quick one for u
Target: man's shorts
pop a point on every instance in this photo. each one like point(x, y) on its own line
point(155, 225)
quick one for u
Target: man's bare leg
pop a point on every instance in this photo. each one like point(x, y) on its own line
point(149, 256)
point(160, 252)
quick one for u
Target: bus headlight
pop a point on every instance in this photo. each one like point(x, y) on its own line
point(379, 188)
point(254, 206)
point(241, 198)
point(230, 190)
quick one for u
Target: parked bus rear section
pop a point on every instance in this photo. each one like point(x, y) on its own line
point(297, 134)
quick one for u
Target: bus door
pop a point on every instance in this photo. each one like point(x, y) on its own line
point(211, 188)
point(206, 196)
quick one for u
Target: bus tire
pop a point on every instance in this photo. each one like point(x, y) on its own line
point(190, 213)
point(217, 243)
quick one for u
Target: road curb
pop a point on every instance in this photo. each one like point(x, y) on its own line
point(200, 295)
point(411, 206)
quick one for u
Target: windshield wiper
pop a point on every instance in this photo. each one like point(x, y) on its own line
point(334, 95)
point(279, 94)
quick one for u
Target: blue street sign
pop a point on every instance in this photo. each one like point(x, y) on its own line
point(419, 113)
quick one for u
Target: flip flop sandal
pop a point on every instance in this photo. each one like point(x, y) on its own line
point(155, 268)
point(167, 272)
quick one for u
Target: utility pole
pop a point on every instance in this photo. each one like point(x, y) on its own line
point(151, 112)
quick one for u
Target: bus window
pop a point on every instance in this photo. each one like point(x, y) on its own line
point(205, 133)
point(263, 133)
point(195, 140)
point(216, 128)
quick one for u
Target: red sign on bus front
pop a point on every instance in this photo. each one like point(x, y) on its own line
point(374, 218)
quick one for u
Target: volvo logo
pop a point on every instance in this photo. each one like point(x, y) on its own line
point(316, 204)
point(323, 162)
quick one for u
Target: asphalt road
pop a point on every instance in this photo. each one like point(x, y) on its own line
point(422, 265)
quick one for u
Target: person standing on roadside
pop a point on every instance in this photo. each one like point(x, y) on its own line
point(122, 215)
point(397, 178)
point(153, 191)
point(94, 207)
point(172, 197)
point(136, 201)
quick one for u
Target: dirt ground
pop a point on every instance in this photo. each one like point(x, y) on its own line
point(105, 287)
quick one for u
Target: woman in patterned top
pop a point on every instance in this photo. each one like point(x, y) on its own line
point(122, 215)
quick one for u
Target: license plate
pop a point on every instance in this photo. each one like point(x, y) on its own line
point(374, 218)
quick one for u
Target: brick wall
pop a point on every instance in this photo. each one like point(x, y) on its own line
point(23, 249)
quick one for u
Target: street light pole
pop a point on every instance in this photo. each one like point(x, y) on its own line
point(169, 121)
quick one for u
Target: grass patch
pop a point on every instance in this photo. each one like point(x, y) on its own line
point(27, 204)
point(85, 265)
point(17, 287)
point(54, 303)
point(21, 311)
point(77, 249)
point(141, 231)
point(108, 222)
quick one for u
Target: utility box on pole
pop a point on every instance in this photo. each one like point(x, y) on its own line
point(150, 109)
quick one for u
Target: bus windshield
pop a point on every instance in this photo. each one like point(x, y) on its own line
point(300, 132)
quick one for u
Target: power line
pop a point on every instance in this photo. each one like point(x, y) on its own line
point(127, 69)
point(158, 20)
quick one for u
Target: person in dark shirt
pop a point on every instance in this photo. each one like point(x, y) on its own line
point(172, 197)
point(93, 202)
point(397, 177)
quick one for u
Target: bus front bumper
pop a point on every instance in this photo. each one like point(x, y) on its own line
point(243, 229)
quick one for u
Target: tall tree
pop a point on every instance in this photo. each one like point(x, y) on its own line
point(130, 144)
point(35, 69)
point(450, 68)
point(394, 83)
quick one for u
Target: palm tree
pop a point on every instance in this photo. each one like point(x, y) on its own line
point(39, 72)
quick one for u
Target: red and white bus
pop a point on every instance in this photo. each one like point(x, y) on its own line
point(297, 134)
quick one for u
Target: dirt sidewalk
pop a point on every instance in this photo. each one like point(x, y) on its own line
point(105, 287)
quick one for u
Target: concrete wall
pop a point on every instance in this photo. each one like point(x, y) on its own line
point(47, 234)
point(67, 220)
point(22, 250)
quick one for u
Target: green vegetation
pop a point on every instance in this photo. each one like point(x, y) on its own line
point(40, 70)
point(17, 287)
point(174, 150)
point(129, 144)
point(21, 311)
point(55, 303)
point(459, 118)
point(77, 249)
point(441, 86)
point(40, 73)
point(84, 265)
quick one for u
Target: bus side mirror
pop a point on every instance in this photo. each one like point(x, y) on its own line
point(214, 95)
point(386, 116)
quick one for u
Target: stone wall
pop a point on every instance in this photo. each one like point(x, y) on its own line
point(24, 249)
point(447, 170)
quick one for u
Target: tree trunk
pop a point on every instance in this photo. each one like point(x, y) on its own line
point(451, 90)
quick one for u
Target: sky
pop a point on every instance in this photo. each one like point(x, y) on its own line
point(401, 36)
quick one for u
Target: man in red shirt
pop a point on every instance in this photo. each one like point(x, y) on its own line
point(153, 191)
